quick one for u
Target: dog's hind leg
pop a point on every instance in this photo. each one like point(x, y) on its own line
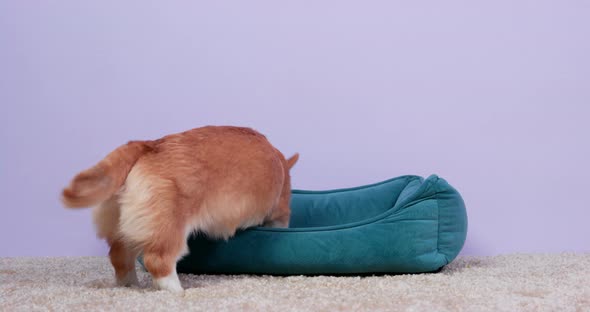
point(123, 261)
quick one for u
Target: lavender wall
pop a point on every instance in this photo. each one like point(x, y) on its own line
point(493, 96)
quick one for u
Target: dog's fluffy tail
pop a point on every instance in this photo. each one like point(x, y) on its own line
point(95, 185)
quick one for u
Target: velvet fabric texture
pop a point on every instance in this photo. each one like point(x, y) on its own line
point(403, 225)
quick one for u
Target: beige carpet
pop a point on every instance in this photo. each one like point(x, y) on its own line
point(502, 283)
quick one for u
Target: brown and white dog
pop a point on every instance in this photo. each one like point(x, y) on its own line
point(150, 195)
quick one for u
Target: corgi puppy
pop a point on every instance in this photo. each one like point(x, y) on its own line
point(149, 196)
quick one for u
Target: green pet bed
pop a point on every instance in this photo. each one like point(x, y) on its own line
point(403, 225)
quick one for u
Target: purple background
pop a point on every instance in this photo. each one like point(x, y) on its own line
point(492, 96)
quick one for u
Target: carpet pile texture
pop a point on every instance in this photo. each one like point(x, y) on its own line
point(519, 282)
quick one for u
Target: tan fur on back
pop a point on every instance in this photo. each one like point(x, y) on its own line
point(213, 180)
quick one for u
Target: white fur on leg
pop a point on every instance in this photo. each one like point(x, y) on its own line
point(169, 282)
point(130, 279)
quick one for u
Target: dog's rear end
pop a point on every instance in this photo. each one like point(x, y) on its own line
point(152, 194)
